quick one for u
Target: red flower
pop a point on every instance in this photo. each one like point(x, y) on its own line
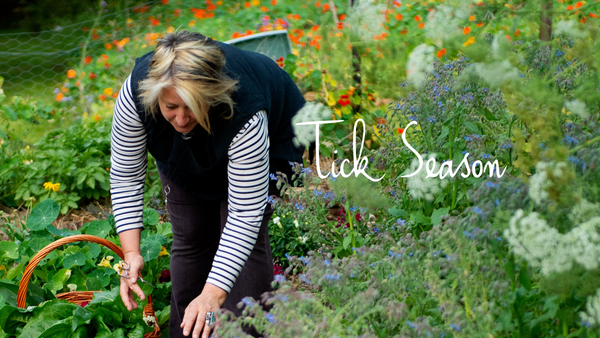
point(344, 100)
point(85, 303)
point(165, 276)
point(277, 270)
point(400, 130)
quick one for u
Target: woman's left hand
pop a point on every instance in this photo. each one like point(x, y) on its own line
point(211, 299)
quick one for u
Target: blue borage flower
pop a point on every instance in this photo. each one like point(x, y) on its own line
point(410, 324)
point(485, 156)
point(400, 222)
point(299, 206)
point(270, 318)
point(478, 211)
point(273, 177)
point(329, 196)
point(248, 302)
point(306, 170)
point(491, 184)
point(280, 279)
point(570, 140)
point(271, 201)
point(394, 255)
point(455, 327)
point(332, 277)
point(317, 192)
point(353, 209)
point(326, 262)
point(430, 119)
point(506, 146)
point(304, 279)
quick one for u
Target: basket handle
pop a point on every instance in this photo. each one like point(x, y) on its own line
point(21, 296)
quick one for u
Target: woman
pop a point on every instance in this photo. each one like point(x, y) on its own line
point(217, 121)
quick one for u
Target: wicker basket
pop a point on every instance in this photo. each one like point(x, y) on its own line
point(77, 297)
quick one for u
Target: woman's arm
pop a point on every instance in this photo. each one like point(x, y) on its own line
point(248, 174)
point(127, 175)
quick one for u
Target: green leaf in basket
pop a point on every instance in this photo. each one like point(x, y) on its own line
point(59, 279)
point(8, 250)
point(93, 284)
point(76, 259)
point(51, 320)
point(138, 331)
point(43, 214)
point(62, 232)
point(81, 316)
point(150, 249)
point(102, 276)
point(150, 217)
point(99, 228)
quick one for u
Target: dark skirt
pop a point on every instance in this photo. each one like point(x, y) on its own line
point(197, 226)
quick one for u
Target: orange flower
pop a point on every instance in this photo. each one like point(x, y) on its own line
point(155, 22)
point(177, 12)
point(400, 130)
point(397, 3)
point(421, 25)
point(297, 17)
point(342, 17)
point(466, 30)
point(96, 117)
point(578, 4)
point(441, 52)
point(164, 2)
point(378, 120)
point(102, 97)
point(59, 97)
point(273, 2)
point(264, 9)
point(104, 57)
point(192, 23)
point(315, 28)
point(518, 33)
point(592, 15)
point(418, 18)
point(583, 20)
point(211, 7)
point(247, 4)
point(344, 100)
point(399, 17)
point(108, 46)
point(508, 37)
point(106, 65)
point(115, 95)
point(325, 8)
point(71, 74)
point(318, 4)
point(88, 59)
point(92, 75)
point(570, 7)
point(403, 31)
point(471, 18)
point(480, 24)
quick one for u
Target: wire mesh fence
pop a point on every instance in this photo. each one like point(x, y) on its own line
point(33, 63)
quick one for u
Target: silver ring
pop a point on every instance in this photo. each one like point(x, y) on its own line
point(210, 319)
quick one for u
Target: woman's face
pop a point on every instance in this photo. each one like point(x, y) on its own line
point(176, 111)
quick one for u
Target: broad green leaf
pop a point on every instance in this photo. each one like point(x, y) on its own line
point(418, 217)
point(489, 115)
point(472, 127)
point(150, 249)
point(94, 249)
point(436, 216)
point(102, 275)
point(54, 312)
point(8, 250)
point(91, 182)
point(99, 228)
point(347, 241)
point(150, 217)
point(93, 284)
point(397, 212)
point(62, 232)
point(165, 229)
point(43, 214)
point(138, 331)
point(81, 316)
point(15, 271)
point(76, 259)
point(59, 279)
point(37, 244)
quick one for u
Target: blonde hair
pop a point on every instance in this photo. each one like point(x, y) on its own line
point(191, 63)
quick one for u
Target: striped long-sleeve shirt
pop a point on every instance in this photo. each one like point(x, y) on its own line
point(247, 172)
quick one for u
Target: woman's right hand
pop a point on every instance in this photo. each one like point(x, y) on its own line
point(130, 285)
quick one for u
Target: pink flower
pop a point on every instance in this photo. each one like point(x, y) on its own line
point(277, 270)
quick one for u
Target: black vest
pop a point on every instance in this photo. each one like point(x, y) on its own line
point(199, 165)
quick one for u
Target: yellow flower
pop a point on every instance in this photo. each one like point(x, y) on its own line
point(52, 186)
point(118, 268)
point(163, 251)
point(470, 41)
point(2, 267)
point(106, 261)
point(108, 91)
point(255, 3)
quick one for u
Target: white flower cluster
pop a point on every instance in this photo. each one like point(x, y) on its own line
point(584, 211)
point(420, 62)
point(496, 73)
point(567, 28)
point(421, 186)
point(366, 19)
point(577, 107)
point(539, 182)
point(311, 112)
point(544, 247)
point(592, 313)
point(440, 23)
